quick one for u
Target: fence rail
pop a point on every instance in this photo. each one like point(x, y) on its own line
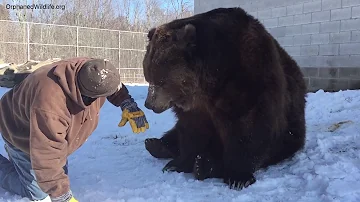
point(22, 41)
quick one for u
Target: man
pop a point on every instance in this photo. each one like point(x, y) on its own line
point(49, 115)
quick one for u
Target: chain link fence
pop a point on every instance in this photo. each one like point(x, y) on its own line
point(23, 41)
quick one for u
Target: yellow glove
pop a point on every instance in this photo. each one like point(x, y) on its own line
point(73, 200)
point(136, 119)
point(133, 114)
point(68, 197)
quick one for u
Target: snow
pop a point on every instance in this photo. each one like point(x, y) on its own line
point(113, 164)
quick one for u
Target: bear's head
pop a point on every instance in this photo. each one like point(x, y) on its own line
point(169, 67)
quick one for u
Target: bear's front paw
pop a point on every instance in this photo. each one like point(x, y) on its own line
point(241, 181)
point(156, 148)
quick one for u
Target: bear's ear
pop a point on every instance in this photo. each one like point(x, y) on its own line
point(151, 33)
point(187, 34)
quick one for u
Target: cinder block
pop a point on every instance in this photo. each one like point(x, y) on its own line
point(264, 14)
point(277, 31)
point(320, 38)
point(329, 72)
point(350, 49)
point(329, 49)
point(327, 27)
point(286, 21)
point(330, 4)
point(342, 37)
point(355, 12)
point(353, 73)
point(349, 3)
point(311, 61)
point(350, 24)
point(310, 71)
point(355, 36)
point(321, 16)
point(270, 23)
point(313, 6)
point(309, 50)
point(285, 41)
point(293, 30)
point(355, 59)
point(254, 14)
point(318, 61)
point(340, 14)
point(292, 50)
point(342, 61)
point(329, 84)
point(279, 12)
point(354, 84)
point(302, 39)
point(302, 19)
point(307, 82)
point(246, 6)
point(294, 9)
point(301, 61)
point(311, 28)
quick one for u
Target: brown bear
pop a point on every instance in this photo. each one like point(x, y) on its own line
point(238, 96)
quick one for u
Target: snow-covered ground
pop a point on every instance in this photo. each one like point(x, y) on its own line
point(113, 164)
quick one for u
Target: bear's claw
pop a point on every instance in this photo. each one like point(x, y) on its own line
point(171, 167)
point(242, 181)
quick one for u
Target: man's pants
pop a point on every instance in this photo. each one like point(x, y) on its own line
point(17, 175)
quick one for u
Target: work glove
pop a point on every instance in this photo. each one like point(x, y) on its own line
point(132, 113)
point(67, 197)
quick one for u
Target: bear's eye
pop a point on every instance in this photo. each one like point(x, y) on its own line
point(161, 82)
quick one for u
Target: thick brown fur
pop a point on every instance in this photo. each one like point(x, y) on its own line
point(238, 96)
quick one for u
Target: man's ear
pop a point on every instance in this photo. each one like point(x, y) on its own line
point(187, 34)
point(151, 33)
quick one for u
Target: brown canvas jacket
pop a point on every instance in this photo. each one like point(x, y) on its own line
point(45, 117)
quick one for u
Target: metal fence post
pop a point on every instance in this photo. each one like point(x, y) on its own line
point(77, 41)
point(119, 52)
point(28, 40)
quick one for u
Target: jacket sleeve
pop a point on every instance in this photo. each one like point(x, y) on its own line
point(119, 96)
point(48, 151)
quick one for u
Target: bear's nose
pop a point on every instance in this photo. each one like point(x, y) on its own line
point(148, 105)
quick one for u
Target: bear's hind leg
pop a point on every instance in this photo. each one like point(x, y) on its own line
point(206, 166)
point(245, 147)
point(195, 131)
point(290, 142)
point(210, 164)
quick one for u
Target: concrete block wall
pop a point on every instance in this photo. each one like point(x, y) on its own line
point(323, 36)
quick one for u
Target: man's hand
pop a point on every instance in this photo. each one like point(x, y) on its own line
point(67, 197)
point(73, 200)
point(135, 116)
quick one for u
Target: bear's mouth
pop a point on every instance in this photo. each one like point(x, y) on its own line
point(162, 109)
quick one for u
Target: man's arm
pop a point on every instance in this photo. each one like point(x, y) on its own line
point(131, 112)
point(48, 152)
point(119, 96)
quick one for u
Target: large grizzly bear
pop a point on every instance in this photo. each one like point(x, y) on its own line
point(238, 96)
